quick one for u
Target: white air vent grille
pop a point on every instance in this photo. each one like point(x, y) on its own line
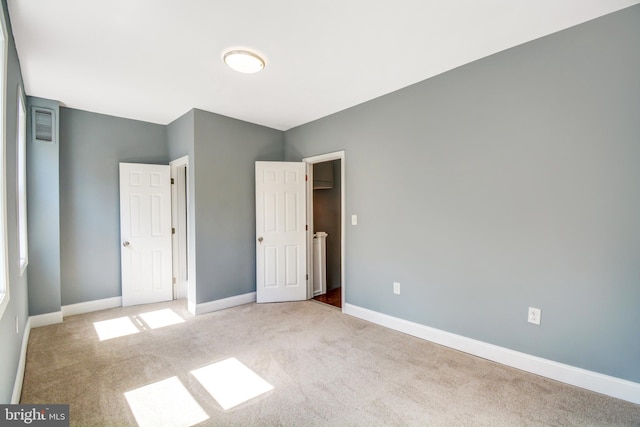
point(43, 129)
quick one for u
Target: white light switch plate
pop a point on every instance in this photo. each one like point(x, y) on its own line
point(354, 219)
point(396, 288)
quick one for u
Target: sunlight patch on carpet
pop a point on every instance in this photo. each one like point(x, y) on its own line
point(230, 382)
point(165, 403)
point(161, 318)
point(114, 328)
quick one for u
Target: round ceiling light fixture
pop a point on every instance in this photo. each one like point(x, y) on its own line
point(243, 61)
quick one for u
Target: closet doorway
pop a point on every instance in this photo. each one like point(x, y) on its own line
point(327, 231)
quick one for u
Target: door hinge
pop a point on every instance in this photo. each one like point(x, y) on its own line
point(173, 230)
point(306, 177)
point(307, 277)
point(306, 227)
point(174, 280)
point(172, 181)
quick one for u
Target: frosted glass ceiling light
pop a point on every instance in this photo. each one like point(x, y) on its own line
point(243, 61)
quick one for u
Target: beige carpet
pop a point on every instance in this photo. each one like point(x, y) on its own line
point(325, 369)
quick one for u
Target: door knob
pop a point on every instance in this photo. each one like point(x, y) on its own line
point(260, 239)
point(125, 244)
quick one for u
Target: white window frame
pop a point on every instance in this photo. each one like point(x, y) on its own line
point(21, 145)
point(4, 270)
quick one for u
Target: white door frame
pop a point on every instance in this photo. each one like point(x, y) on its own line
point(180, 197)
point(336, 155)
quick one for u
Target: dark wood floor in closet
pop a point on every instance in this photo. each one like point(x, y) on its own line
point(332, 297)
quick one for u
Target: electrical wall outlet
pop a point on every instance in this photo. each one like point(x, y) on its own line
point(534, 316)
point(396, 288)
point(354, 219)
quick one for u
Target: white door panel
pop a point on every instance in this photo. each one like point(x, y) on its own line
point(280, 232)
point(145, 231)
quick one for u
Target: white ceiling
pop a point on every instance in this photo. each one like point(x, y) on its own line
point(154, 60)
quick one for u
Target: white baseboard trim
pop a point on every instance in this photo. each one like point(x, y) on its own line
point(221, 304)
point(17, 385)
point(91, 306)
point(191, 307)
point(46, 319)
point(600, 383)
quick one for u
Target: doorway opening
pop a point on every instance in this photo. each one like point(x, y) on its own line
point(179, 221)
point(325, 207)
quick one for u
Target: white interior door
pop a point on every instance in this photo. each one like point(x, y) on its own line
point(281, 251)
point(145, 231)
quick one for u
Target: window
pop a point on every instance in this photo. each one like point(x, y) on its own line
point(4, 278)
point(21, 136)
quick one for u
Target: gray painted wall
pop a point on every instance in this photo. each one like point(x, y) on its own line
point(180, 136)
point(506, 183)
point(43, 215)
point(18, 303)
point(226, 150)
point(91, 147)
